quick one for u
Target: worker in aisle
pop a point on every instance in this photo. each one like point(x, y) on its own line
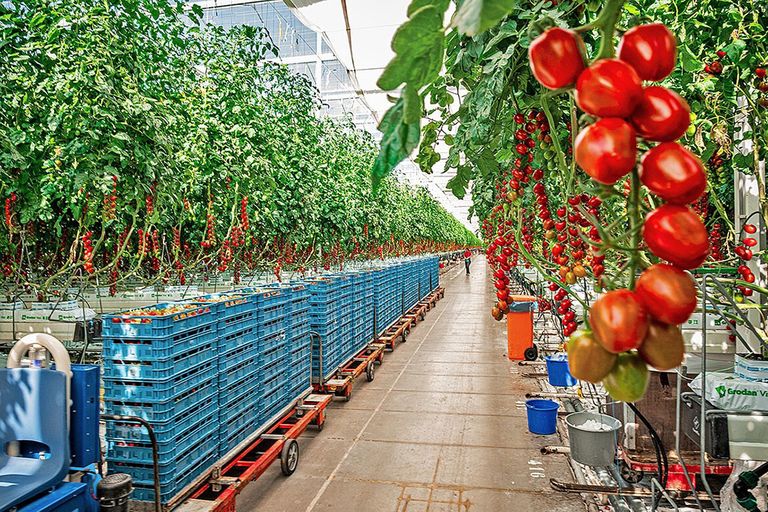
point(467, 259)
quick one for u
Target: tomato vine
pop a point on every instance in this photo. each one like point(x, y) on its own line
point(138, 144)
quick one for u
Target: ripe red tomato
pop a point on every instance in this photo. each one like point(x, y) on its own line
point(557, 57)
point(607, 150)
point(618, 320)
point(650, 49)
point(668, 293)
point(676, 234)
point(673, 173)
point(608, 88)
point(661, 115)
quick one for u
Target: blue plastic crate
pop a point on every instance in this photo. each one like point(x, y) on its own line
point(161, 390)
point(300, 348)
point(227, 304)
point(144, 349)
point(276, 366)
point(134, 324)
point(168, 430)
point(247, 419)
point(273, 326)
point(172, 479)
point(240, 367)
point(272, 403)
point(238, 430)
point(268, 344)
point(245, 390)
point(169, 451)
point(235, 323)
point(160, 412)
point(159, 369)
point(247, 397)
point(247, 337)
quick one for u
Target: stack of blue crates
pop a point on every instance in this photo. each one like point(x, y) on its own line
point(160, 364)
point(274, 317)
point(362, 315)
point(331, 319)
point(429, 277)
point(214, 370)
point(238, 361)
point(299, 341)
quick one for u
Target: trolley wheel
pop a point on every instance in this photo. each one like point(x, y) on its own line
point(370, 372)
point(531, 353)
point(405, 335)
point(289, 458)
point(629, 475)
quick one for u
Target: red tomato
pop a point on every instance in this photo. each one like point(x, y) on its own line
point(557, 57)
point(668, 293)
point(650, 49)
point(618, 320)
point(607, 150)
point(676, 234)
point(608, 88)
point(661, 115)
point(673, 173)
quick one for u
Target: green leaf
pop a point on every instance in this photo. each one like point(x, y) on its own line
point(398, 140)
point(441, 5)
point(412, 105)
point(477, 16)
point(419, 45)
point(689, 61)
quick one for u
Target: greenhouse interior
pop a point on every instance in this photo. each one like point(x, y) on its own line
point(383, 256)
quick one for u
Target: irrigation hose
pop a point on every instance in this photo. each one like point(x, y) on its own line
point(662, 463)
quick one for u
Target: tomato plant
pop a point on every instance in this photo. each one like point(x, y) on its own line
point(192, 156)
point(552, 162)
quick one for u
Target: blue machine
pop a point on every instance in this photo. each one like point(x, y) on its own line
point(38, 449)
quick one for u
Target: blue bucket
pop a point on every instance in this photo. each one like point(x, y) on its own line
point(557, 371)
point(542, 416)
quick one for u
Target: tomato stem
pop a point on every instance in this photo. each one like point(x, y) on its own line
point(634, 222)
point(606, 24)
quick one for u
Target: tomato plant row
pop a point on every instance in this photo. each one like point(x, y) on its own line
point(138, 142)
point(584, 128)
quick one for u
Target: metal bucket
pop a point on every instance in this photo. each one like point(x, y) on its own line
point(593, 447)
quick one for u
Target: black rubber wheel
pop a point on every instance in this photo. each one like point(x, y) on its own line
point(320, 421)
point(289, 458)
point(531, 353)
point(370, 372)
point(405, 335)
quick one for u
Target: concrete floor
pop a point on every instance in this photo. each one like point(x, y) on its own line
point(441, 428)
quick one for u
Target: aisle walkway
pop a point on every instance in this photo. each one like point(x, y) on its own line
point(442, 428)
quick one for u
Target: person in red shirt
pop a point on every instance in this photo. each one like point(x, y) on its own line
point(467, 259)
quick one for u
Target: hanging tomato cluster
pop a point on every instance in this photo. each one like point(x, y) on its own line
point(640, 325)
point(744, 252)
